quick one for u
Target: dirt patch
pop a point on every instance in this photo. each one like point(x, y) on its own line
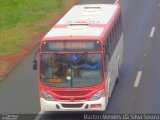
point(8, 63)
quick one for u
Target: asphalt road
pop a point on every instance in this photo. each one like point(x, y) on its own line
point(141, 21)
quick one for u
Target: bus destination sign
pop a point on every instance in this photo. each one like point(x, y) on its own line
point(70, 45)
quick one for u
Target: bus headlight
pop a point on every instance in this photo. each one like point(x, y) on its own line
point(47, 96)
point(97, 96)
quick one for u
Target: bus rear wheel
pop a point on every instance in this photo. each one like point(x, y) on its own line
point(117, 80)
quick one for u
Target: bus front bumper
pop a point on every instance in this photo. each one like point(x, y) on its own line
point(98, 105)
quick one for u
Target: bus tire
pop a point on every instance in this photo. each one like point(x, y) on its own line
point(117, 80)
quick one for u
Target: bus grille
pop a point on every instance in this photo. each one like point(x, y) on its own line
point(72, 93)
point(75, 99)
point(69, 95)
point(72, 105)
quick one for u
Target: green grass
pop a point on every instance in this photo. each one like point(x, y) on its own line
point(20, 18)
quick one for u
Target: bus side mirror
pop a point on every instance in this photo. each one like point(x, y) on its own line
point(34, 60)
point(34, 64)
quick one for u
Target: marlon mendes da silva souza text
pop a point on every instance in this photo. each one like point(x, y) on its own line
point(121, 117)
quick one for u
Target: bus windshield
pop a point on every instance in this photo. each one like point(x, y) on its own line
point(71, 70)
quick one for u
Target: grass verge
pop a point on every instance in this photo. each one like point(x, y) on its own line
point(20, 19)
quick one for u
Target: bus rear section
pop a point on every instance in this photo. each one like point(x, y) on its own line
point(72, 63)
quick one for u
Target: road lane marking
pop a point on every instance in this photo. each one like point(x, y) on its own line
point(139, 74)
point(116, 1)
point(152, 32)
point(39, 115)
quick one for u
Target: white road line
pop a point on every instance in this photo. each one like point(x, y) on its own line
point(152, 32)
point(39, 115)
point(116, 1)
point(138, 78)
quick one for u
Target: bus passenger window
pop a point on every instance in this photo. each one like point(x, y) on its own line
point(110, 44)
point(107, 48)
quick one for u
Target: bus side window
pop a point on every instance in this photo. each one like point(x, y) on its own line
point(107, 48)
point(110, 44)
point(117, 34)
point(107, 54)
point(119, 28)
point(112, 40)
point(120, 23)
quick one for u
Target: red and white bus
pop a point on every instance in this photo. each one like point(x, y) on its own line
point(80, 58)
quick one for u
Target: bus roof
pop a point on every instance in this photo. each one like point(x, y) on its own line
point(83, 20)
